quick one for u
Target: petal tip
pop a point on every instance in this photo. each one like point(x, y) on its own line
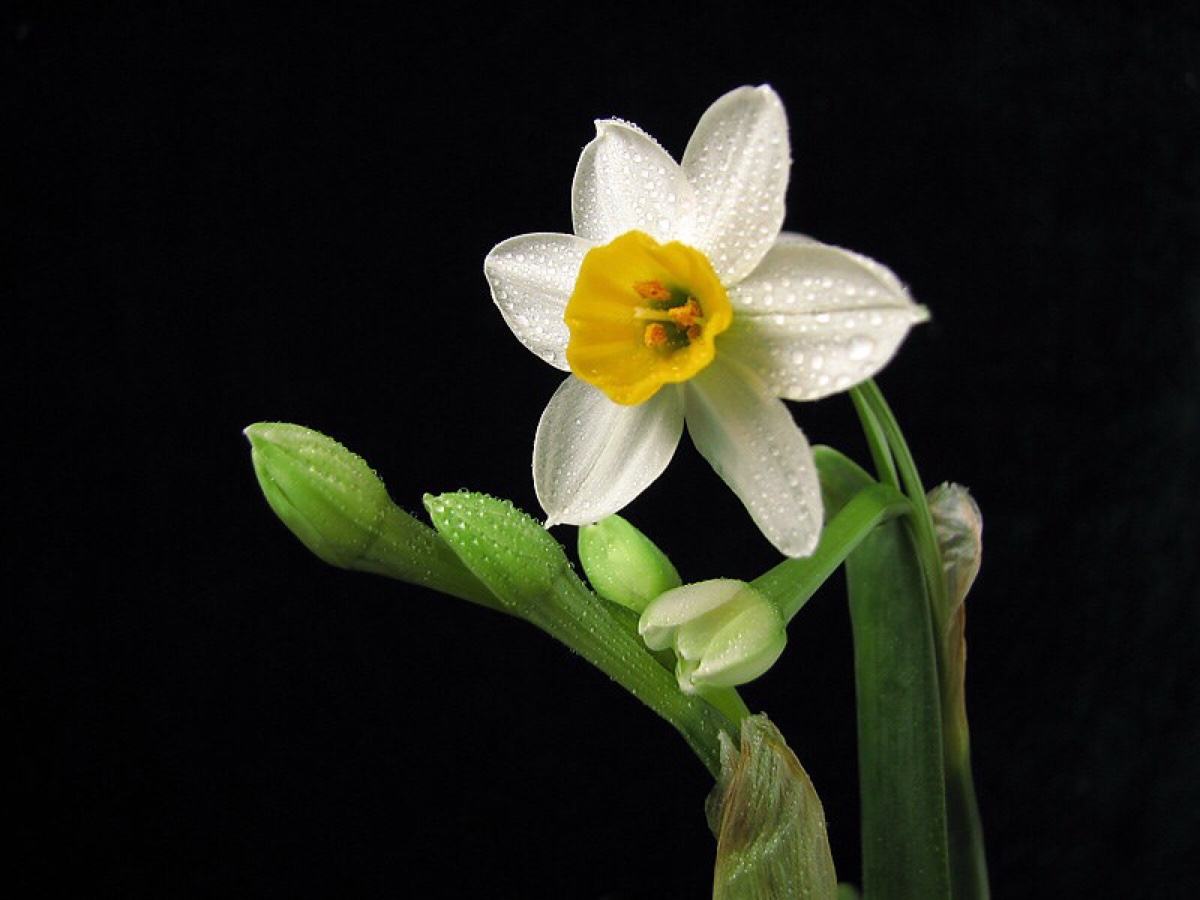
point(769, 92)
point(799, 546)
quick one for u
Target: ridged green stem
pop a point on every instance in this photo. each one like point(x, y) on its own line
point(790, 584)
point(528, 572)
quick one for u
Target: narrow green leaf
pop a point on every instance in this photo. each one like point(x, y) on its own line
point(770, 826)
point(899, 718)
point(529, 573)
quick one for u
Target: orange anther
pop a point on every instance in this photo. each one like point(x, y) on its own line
point(694, 331)
point(652, 290)
point(685, 316)
point(655, 335)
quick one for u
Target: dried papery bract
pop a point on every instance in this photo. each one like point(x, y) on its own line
point(769, 822)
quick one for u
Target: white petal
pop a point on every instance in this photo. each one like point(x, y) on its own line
point(592, 456)
point(813, 319)
point(737, 161)
point(744, 649)
point(678, 606)
point(756, 448)
point(532, 277)
point(624, 182)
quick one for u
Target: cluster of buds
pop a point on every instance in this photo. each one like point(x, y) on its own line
point(723, 632)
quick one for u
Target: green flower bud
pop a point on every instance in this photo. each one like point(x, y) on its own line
point(327, 496)
point(338, 507)
point(724, 632)
point(624, 565)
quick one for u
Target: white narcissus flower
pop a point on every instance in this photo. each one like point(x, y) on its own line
point(678, 299)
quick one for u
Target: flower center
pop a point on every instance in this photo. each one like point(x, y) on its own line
point(643, 314)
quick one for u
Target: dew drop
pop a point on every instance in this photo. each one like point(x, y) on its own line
point(861, 348)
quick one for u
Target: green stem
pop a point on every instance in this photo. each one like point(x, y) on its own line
point(877, 442)
point(528, 573)
point(921, 521)
point(728, 702)
point(407, 550)
point(790, 584)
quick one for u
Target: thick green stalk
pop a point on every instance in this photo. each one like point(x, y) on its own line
point(899, 718)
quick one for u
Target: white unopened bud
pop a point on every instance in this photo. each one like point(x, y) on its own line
point(723, 632)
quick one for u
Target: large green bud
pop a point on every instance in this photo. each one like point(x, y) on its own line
point(327, 496)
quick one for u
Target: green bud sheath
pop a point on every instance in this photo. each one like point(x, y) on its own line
point(623, 565)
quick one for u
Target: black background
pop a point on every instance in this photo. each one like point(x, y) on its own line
point(232, 215)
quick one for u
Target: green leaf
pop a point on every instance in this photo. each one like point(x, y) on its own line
point(529, 573)
point(946, 580)
point(769, 823)
point(899, 719)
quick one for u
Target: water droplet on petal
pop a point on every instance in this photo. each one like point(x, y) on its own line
point(861, 348)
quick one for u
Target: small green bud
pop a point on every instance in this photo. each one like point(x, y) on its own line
point(724, 632)
point(624, 565)
point(327, 496)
